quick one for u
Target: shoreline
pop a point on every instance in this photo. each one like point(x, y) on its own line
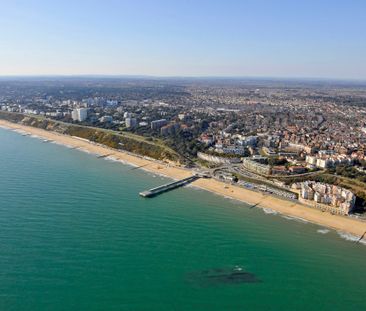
point(282, 206)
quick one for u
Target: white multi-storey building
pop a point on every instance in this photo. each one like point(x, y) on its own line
point(333, 198)
point(131, 122)
point(79, 114)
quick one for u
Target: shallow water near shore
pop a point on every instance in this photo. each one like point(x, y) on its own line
point(75, 235)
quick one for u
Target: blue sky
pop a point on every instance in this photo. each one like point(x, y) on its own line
point(279, 38)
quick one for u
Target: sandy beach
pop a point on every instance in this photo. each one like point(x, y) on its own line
point(339, 223)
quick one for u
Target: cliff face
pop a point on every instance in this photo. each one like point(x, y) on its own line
point(107, 138)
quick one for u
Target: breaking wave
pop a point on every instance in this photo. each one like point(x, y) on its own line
point(269, 211)
point(350, 237)
point(295, 218)
point(322, 231)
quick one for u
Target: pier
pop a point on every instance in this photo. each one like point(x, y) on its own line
point(167, 187)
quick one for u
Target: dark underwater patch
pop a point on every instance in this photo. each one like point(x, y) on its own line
point(221, 276)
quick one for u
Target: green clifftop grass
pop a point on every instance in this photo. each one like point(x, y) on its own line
point(138, 145)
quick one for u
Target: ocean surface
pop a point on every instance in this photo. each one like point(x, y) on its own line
point(75, 235)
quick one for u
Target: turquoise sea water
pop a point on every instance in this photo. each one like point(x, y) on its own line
point(75, 235)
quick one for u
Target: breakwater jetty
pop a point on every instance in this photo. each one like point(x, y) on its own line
point(167, 187)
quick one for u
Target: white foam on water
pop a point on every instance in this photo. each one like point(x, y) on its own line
point(197, 188)
point(128, 163)
point(322, 231)
point(112, 159)
point(20, 131)
point(231, 199)
point(350, 237)
point(61, 144)
point(295, 218)
point(117, 160)
point(156, 174)
point(85, 150)
point(269, 211)
point(162, 176)
point(89, 152)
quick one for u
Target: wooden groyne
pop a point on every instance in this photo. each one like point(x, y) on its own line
point(104, 155)
point(254, 205)
point(141, 166)
point(361, 238)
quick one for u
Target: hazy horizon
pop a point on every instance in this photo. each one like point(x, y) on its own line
point(172, 77)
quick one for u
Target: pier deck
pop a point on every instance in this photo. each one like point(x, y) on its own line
point(167, 187)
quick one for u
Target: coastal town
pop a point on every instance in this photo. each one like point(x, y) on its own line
point(303, 142)
point(183, 155)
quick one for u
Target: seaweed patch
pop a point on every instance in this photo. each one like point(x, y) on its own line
point(222, 276)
